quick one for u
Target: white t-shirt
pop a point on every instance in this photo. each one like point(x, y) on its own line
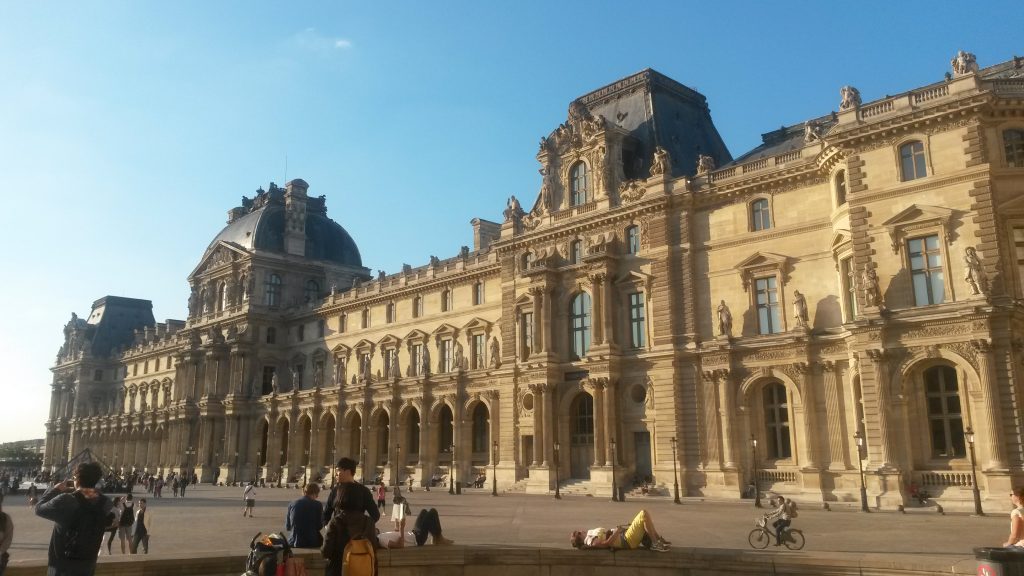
point(398, 512)
point(249, 493)
point(386, 538)
point(594, 534)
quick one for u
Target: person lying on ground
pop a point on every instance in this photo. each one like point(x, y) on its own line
point(623, 537)
point(427, 523)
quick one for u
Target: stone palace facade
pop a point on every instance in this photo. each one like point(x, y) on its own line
point(847, 293)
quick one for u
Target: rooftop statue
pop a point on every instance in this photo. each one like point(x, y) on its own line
point(849, 97)
point(705, 164)
point(963, 63)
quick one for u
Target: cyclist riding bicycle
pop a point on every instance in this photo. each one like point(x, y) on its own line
point(785, 512)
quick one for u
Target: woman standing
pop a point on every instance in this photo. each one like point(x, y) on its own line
point(382, 492)
point(1016, 519)
point(115, 522)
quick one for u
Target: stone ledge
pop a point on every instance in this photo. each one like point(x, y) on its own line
point(530, 561)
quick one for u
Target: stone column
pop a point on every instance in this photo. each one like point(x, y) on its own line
point(835, 423)
point(595, 386)
point(727, 393)
point(539, 453)
point(990, 393)
point(608, 310)
point(597, 286)
point(611, 421)
point(810, 402)
point(539, 323)
point(711, 415)
point(876, 403)
point(549, 422)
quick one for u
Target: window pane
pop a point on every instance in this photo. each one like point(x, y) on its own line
point(938, 433)
point(956, 433)
point(938, 288)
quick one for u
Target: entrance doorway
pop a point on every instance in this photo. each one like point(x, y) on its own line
point(642, 445)
point(581, 445)
point(528, 453)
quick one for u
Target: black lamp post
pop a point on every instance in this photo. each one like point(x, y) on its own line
point(675, 472)
point(757, 486)
point(188, 462)
point(398, 464)
point(558, 493)
point(451, 481)
point(615, 487)
point(494, 469)
point(969, 435)
point(859, 438)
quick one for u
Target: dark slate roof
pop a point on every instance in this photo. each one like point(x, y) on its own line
point(114, 320)
point(785, 139)
point(658, 111)
point(262, 229)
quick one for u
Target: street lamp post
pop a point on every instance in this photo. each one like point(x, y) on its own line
point(757, 484)
point(615, 487)
point(675, 471)
point(259, 462)
point(969, 435)
point(558, 493)
point(451, 479)
point(494, 469)
point(398, 464)
point(859, 438)
point(188, 462)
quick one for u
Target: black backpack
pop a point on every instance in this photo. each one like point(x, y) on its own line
point(85, 536)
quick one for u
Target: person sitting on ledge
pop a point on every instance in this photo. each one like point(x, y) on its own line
point(623, 537)
point(427, 523)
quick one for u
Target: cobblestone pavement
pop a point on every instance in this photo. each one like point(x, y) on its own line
point(210, 519)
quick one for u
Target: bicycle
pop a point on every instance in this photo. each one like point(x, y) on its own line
point(760, 537)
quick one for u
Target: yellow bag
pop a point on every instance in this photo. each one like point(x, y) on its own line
point(359, 559)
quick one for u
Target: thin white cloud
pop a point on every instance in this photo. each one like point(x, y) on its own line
point(313, 41)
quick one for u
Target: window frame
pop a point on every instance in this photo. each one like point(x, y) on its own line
point(527, 335)
point(575, 251)
point(927, 270)
point(753, 225)
point(925, 157)
point(777, 431)
point(478, 292)
point(632, 236)
point(840, 187)
point(447, 300)
point(1018, 161)
point(389, 313)
point(273, 289)
point(417, 306)
point(954, 439)
point(477, 351)
point(311, 290)
point(271, 335)
point(637, 306)
point(579, 171)
point(364, 318)
point(774, 310)
point(581, 325)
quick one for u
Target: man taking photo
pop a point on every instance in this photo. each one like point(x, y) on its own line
point(80, 514)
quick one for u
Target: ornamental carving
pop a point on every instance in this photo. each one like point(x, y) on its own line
point(939, 331)
point(779, 354)
point(661, 164)
point(717, 359)
point(849, 98)
point(631, 191)
point(833, 349)
point(966, 350)
point(645, 233)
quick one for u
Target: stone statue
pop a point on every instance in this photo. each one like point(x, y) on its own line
point(849, 98)
point(800, 308)
point(495, 360)
point(274, 388)
point(661, 163)
point(464, 252)
point(869, 286)
point(380, 275)
point(340, 371)
point(812, 132)
point(705, 164)
point(318, 376)
point(425, 362)
point(193, 303)
point(975, 276)
point(435, 261)
point(724, 320)
point(367, 370)
point(459, 359)
point(963, 63)
point(513, 209)
point(545, 197)
point(296, 378)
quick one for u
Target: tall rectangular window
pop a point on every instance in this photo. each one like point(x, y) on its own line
point(776, 418)
point(389, 360)
point(637, 328)
point(478, 293)
point(926, 270)
point(760, 215)
point(271, 335)
point(477, 351)
point(415, 359)
point(767, 298)
point(342, 323)
point(912, 161)
point(300, 332)
point(526, 336)
point(446, 355)
point(1018, 248)
point(321, 328)
point(97, 375)
point(268, 380)
point(366, 318)
point(849, 289)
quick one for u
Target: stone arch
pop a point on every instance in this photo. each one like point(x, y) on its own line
point(480, 417)
point(326, 431)
point(410, 428)
point(767, 373)
point(757, 426)
point(305, 438)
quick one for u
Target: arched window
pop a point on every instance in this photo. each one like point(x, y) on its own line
point(273, 290)
point(579, 322)
point(576, 252)
point(312, 292)
point(481, 426)
point(633, 240)
point(478, 293)
point(578, 177)
point(912, 165)
point(389, 312)
point(222, 296)
point(776, 420)
point(414, 432)
point(1013, 141)
point(945, 422)
point(446, 300)
point(447, 432)
point(417, 307)
point(840, 188)
point(760, 215)
point(243, 287)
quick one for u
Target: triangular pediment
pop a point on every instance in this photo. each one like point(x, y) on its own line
point(477, 324)
point(840, 238)
point(224, 253)
point(416, 335)
point(445, 330)
point(918, 213)
point(389, 340)
point(341, 350)
point(634, 277)
point(759, 259)
point(364, 346)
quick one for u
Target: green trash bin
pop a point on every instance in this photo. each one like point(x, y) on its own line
point(1000, 561)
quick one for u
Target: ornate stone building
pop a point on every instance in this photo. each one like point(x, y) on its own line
point(656, 310)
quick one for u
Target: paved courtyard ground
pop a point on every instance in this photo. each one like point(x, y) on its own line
point(209, 520)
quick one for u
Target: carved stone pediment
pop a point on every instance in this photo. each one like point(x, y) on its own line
point(224, 254)
point(916, 218)
point(389, 341)
point(761, 263)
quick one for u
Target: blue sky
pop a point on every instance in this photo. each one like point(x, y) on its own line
point(128, 129)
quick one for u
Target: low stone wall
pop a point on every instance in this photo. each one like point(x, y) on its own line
point(501, 561)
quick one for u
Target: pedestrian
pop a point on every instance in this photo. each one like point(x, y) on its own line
point(182, 484)
point(80, 514)
point(409, 480)
point(158, 490)
point(1016, 538)
point(174, 486)
point(33, 494)
point(382, 492)
point(350, 513)
point(249, 497)
point(399, 510)
point(143, 521)
point(124, 526)
point(6, 536)
point(111, 530)
point(305, 519)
